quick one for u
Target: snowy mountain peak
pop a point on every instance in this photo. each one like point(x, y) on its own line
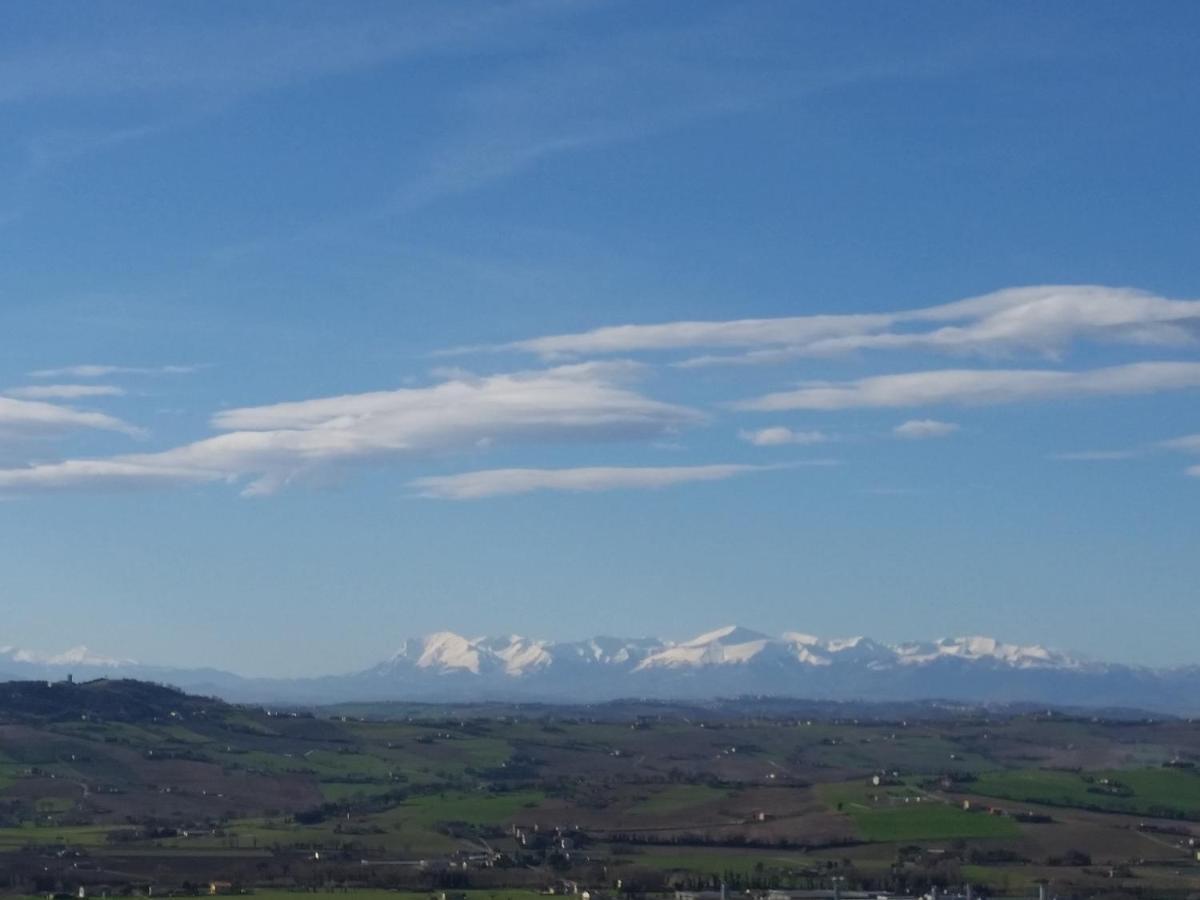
point(443, 650)
point(801, 639)
point(448, 652)
point(518, 655)
point(729, 635)
point(608, 651)
point(724, 646)
point(978, 648)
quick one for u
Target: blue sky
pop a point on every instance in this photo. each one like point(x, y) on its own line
point(327, 325)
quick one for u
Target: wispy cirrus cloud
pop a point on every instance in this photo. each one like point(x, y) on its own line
point(980, 387)
point(1043, 319)
point(272, 446)
point(63, 391)
point(149, 55)
point(178, 74)
point(504, 482)
point(924, 429)
point(607, 88)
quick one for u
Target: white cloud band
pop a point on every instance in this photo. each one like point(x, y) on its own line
point(35, 418)
point(273, 445)
point(502, 482)
point(980, 387)
point(1041, 318)
point(63, 391)
point(104, 371)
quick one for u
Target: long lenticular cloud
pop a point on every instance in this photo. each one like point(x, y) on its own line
point(63, 391)
point(36, 418)
point(271, 446)
point(979, 387)
point(104, 371)
point(1043, 319)
point(503, 482)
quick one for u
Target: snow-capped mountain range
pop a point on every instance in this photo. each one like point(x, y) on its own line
point(727, 662)
point(519, 657)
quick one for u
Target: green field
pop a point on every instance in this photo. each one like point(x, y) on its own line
point(999, 878)
point(676, 798)
point(409, 827)
point(929, 822)
point(471, 809)
point(346, 791)
point(903, 813)
point(714, 862)
point(1173, 793)
point(77, 835)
